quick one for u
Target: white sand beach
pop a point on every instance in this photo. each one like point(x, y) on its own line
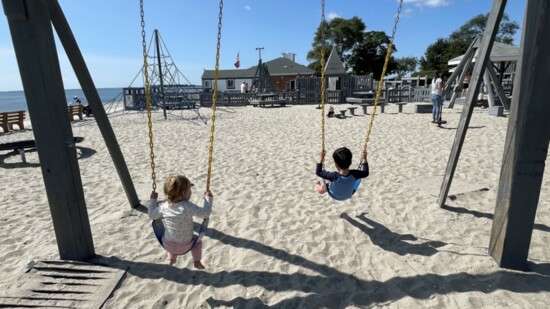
point(272, 240)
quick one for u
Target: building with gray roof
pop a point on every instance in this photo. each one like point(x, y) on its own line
point(283, 72)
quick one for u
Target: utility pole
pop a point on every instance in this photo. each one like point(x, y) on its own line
point(259, 49)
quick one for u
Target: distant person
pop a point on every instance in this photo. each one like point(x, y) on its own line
point(87, 110)
point(340, 185)
point(330, 113)
point(437, 98)
point(177, 216)
point(243, 85)
point(253, 88)
point(76, 100)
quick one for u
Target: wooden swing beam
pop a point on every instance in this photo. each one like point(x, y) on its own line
point(527, 138)
point(30, 24)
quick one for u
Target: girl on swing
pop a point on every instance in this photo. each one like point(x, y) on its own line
point(340, 185)
point(177, 216)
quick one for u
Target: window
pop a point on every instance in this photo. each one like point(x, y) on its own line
point(230, 84)
point(206, 84)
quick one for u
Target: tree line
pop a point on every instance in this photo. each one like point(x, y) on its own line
point(364, 52)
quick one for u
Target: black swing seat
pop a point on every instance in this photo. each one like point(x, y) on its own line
point(158, 229)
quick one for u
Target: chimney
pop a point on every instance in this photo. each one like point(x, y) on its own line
point(289, 56)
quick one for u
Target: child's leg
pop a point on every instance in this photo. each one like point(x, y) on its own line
point(171, 258)
point(320, 187)
point(196, 252)
point(180, 248)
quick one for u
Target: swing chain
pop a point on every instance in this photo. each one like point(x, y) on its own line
point(381, 82)
point(323, 86)
point(214, 98)
point(147, 96)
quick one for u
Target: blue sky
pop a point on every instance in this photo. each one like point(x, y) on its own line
point(109, 35)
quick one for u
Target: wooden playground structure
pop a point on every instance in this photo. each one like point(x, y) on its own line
point(526, 146)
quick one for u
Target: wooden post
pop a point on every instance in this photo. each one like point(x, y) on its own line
point(34, 45)
point(484, 52)
point(466, 59)
point(526, 146)
point(462, 68)
point(489, 87)
point(498, 86)
point(85, 79)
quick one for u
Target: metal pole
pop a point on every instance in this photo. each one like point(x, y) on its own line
point(160, 73)
point(259, 49)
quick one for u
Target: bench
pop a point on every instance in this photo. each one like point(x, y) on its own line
point(352, 110)
point(20, 146)
point(381, 105)
point(359, 100)
point(263, 103)
point(400, 106)
point(423, 108)
point(342, 113)
point(75, 110)
point(8, 119)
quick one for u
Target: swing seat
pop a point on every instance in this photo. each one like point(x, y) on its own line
point(356, 185)
point(158, 229)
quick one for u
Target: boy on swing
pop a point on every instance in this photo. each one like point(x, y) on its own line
point(340, 185)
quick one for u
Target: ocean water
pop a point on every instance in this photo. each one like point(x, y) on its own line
point(15, 100)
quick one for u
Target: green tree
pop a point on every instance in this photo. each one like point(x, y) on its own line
point(405, 65)
point(320, 43)
point(369, 55)
point(476, 26)
point(437, 54)
point(343, 34)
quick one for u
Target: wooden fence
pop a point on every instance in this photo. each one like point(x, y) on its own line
point(134, 98)
point(408, 94)
point(304, 97)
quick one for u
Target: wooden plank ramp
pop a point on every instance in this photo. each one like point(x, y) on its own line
point(62, 284)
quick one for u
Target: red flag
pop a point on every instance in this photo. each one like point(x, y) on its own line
point(238, 62)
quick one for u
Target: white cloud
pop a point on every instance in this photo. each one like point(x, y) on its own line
point(332, 15)
point(407, 12)
point(248, 8)
point(429, 3)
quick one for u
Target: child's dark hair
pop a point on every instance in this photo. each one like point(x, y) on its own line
point(342, 157)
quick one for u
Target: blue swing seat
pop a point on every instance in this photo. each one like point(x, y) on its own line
point(356, 185)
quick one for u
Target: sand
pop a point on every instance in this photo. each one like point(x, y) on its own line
point(273, 241)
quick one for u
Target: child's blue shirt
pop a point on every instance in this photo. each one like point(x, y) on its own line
point(342, 187)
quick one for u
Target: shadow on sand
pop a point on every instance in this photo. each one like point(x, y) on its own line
point(331, 288)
